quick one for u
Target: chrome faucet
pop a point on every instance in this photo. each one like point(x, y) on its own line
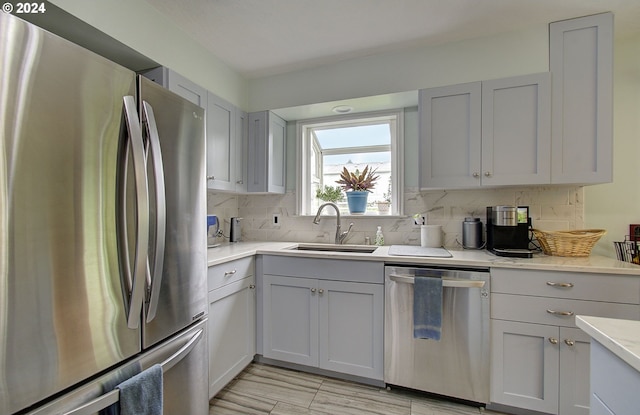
point(340, 236)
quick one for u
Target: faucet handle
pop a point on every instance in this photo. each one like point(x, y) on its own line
point(344, 234)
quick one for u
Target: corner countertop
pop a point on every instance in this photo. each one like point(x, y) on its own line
point(461, 258)
point(621, 337)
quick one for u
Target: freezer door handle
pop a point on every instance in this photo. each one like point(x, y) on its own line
point(446, 282)
point(134, 278)
point(154, 155)
point(108, 399)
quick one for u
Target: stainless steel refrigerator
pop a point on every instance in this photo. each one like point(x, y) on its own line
point(102, 230)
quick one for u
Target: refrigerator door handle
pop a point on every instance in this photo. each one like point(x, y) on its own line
point(109, 398)
point(135, 278)
point(154, 273)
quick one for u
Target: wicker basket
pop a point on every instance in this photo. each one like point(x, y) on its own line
point(568, 243)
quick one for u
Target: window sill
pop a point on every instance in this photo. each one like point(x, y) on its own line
point(376, 216)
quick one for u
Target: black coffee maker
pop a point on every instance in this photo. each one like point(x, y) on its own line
point(508, 231)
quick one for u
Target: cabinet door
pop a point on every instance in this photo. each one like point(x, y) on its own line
point(242, 137)
point(231, 332)
point(186, 89)
point(221, 128)
point(516, 130)
point(581, 60)
point(524, 365)
point(290, 319)
point(257, 152)
point(276, 158)
point(266, 153)
point(450, 133)
point(574, 372)
point(351, 328)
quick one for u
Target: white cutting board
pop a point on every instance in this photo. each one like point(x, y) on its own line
point(412, 250)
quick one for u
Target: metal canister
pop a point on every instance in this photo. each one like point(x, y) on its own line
point(472, 233)
point(234, 229)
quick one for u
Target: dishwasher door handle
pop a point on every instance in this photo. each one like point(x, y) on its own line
point(446, 282)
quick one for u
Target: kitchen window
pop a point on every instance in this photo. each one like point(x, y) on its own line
point(352, 141)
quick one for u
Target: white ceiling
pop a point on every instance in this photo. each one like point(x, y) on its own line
point(266, 37)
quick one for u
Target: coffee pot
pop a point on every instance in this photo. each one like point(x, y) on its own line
point(508, 231)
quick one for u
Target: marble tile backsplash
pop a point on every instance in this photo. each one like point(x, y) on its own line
point(550, 208)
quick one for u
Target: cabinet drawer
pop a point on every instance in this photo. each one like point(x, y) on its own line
point(534, 309)
point(223, 274)
point(570, 285)
point(324, 269)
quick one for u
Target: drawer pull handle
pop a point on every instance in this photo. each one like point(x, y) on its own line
point(553, 340)
point(569, 342)
point(560, 313)
point(228, 273)
point(560, 284)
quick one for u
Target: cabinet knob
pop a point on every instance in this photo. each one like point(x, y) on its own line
point(239, 182)
point(553, 340)
point(560, 313)
point(320, 290)
point(487, 174)
point(476, 174)
point(211, 178)
point(569, 342)
point(560, 284)
point(313, 290)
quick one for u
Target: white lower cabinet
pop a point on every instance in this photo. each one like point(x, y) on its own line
point(290, 319)
point(539, 359)
point(232, 321)
point(329, 324)
point(539, 367)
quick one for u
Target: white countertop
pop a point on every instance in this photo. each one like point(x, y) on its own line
point(621, 337)
point(461, 258)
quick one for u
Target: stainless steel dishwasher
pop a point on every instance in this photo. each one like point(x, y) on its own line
point(458, 364)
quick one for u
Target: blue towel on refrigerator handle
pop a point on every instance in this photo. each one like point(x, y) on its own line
point(142, 394)
point(427, 308)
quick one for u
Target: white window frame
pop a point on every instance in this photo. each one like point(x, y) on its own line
point(305, 143)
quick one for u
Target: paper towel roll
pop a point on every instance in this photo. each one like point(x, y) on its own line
point(431, 236)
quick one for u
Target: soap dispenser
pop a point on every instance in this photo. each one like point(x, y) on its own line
point(379, 237)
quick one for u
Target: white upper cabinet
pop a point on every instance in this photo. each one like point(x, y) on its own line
point(221, 144)
point(226, 131)
point(581, 60)
point(178, 84)
point(266, 153)
point(516, 130)
point(486, 133)
point(450, 133)
point(242, 140)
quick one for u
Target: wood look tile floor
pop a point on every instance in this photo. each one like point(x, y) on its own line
point(267, 390)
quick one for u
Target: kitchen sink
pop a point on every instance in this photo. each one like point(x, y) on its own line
point(362, 249)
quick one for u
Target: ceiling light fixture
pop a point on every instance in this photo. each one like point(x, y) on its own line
point(342, 109)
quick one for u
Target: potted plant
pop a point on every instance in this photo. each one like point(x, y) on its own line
point(384, 204)
point(357, 186)
point(330, 194)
